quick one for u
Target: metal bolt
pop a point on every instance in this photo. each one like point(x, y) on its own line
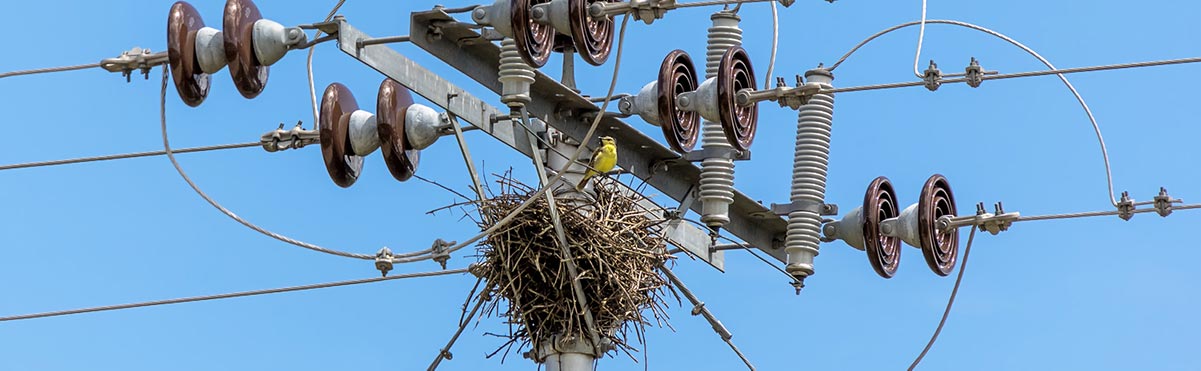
point(684, 101)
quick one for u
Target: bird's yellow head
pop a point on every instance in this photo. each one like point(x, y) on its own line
point(607, 141)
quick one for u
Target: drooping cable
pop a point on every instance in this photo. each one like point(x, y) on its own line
point(775, 43)
point(951, 301)
point(127, 155)
point(921, 35)
point(232, 295)
point(309, 67)
point(171, 155)
point(49, 70)
point(1096, 128)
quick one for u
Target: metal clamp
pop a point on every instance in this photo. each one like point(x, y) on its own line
point(1126, 206)
point(1163, 203)
point(440, 251)
point(932, 76)
point(823, 209)
point(717, 152)
point(383, 260)
point(997, 222)
point(134, 59)
point(685, 205)
point(974, 74)
point(295, 138)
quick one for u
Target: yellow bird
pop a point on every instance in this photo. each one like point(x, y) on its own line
point(603, 160)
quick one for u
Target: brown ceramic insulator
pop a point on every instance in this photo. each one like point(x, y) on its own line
point(593, 37)
point(182, 23)
point(734, 74)
point(879, 204)
point(677, 75)
point(337, 103)
point(938, 247)
point(534, 40)
point(250, 76)
point(392, 103)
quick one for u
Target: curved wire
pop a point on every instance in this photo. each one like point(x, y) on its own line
point(920, 36)
point(958, 279)
point(309, 67)
point(775, 43)
point(49, 70)
point(171, 155)
point(1062, 77)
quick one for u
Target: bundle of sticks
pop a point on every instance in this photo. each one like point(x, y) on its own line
point(616, 245)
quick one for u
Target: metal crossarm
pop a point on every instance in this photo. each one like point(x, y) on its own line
point(463, 48)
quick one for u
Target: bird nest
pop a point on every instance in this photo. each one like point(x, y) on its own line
point(616, 246)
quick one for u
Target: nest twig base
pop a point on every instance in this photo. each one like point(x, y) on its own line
point(617, 247)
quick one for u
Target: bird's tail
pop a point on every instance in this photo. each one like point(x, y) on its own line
point(580, 186)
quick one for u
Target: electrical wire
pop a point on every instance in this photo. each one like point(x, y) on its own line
point(744, 246)
point(127, 155)
point(49, 70)
point(1003, 76)
point(958, 279)
point(309, 68)
point(775, 43)
point(920, 36)
point(232, 295)
point(171, 155)
point(1080, 99)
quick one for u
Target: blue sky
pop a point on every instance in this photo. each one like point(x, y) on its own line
point(1097, 293)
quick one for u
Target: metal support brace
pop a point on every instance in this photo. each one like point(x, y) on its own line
point(444, 353)
point(564, 248)
point(698, 307)
point(820, 208)
point(475, 177)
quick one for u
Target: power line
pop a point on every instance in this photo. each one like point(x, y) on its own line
point(49, 70)
point(232, 295)
point(1021, 74)
point(170, 155)
point(921, 35)
point(127, 155)
point(309, 67)
point(1080, 99)
point(954, 291)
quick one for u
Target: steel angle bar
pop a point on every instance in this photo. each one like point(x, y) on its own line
point(432, 87)
point(463, 48)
